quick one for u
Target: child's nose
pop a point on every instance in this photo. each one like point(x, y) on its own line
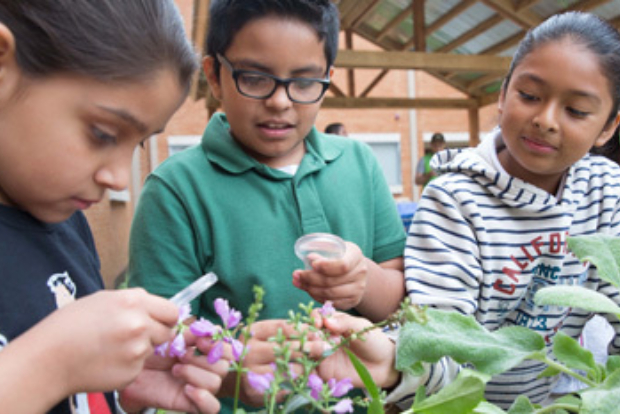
point(547, 118)
point(114, 175)
point(279, 99)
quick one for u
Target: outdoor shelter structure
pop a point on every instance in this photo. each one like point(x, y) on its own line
point(467, 44)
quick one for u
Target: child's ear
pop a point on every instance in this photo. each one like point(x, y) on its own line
point(7, 46)
point(212, 77)
point(608, 132)
point(9, 70)
point(501, 99)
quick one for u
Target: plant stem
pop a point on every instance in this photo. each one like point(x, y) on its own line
point(237, 388)
point(567, 371)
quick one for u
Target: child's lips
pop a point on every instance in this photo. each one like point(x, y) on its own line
point(538, 144)
point(83, 204)
point(275, 130)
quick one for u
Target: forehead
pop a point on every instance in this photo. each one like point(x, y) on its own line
point(581, 69)
point(279, 43)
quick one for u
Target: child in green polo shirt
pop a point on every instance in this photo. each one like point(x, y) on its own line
point(263, 176)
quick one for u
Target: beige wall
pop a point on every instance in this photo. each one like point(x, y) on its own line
point(111, 221)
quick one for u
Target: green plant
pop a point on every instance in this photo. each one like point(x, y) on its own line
point(465, 341)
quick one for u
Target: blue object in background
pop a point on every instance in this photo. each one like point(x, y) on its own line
point(406, 210)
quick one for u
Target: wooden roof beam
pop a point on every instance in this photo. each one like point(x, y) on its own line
point(449, 15)
point(374, 83)
point(481, 82)
point(393, 23)
point(449, 62)
point(525, 4)
point(394, 103)
point(586, 5)
point(363, 9)
point(419, 25)
point(506, 9)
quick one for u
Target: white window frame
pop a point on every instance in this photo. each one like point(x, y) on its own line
point(385, 138)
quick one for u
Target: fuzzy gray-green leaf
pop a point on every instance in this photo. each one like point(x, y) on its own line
point(604, 399)
point(459, 397)
point(602, 251)
point(576, 297)
point(568, 351)
point(464, 340)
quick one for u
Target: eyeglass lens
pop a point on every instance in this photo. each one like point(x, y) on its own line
point(261, 86)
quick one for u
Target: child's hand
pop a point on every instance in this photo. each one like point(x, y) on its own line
point(187, 384)
point(100, 342)
point(376, 351)
point(341, 281)
point(260, 359)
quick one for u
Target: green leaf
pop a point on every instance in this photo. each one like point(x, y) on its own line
point(569, 399)
point(460, 396)
point(603, 399)
point(376, 405)
point(464, 340)
point(522, 405)
point(294, 403)
point(597, 374)
point(549, 372)
point(420, 395)
point(600, 250)
point(487, 408)
point(576, 297)
point(568, 351)
point(613, 363)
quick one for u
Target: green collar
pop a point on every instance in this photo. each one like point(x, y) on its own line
point(221, 148)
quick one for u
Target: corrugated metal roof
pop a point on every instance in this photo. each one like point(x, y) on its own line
point(484, 27)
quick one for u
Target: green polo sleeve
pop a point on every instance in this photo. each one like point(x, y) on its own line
point(163, 251)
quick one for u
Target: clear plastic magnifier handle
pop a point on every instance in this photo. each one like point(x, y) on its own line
point(191, 292)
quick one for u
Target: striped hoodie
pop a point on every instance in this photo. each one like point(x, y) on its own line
point(482, 243)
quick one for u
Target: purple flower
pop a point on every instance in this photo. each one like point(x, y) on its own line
point(340, 388)
point(237, 349)
point(260, 383)
point(327, 309)
point(344, 406)
point(177, 347)
point(161, 350)
point(202, 328)
point(230, 316)
point(316, 386)
point(184, 312)
point(215, 354)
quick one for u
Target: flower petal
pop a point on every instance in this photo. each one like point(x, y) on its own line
point(316, 386)
point(343, 406)
point(260, 382)
point(215, 354)
point(340, 388)
point(202, 328)
point(327, 309)
point(177, 347)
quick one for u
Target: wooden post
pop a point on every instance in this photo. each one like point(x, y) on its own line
point(474, 126)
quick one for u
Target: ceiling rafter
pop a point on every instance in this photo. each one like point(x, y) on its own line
point(387, 24)
point(506, 9)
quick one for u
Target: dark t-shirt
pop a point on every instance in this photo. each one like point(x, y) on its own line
point(42, 267)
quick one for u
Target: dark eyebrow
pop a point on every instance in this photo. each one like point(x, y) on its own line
point(578, 92)
point(253, 65)
point(127, 118)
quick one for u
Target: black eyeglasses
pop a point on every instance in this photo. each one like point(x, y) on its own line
point(259, 85)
